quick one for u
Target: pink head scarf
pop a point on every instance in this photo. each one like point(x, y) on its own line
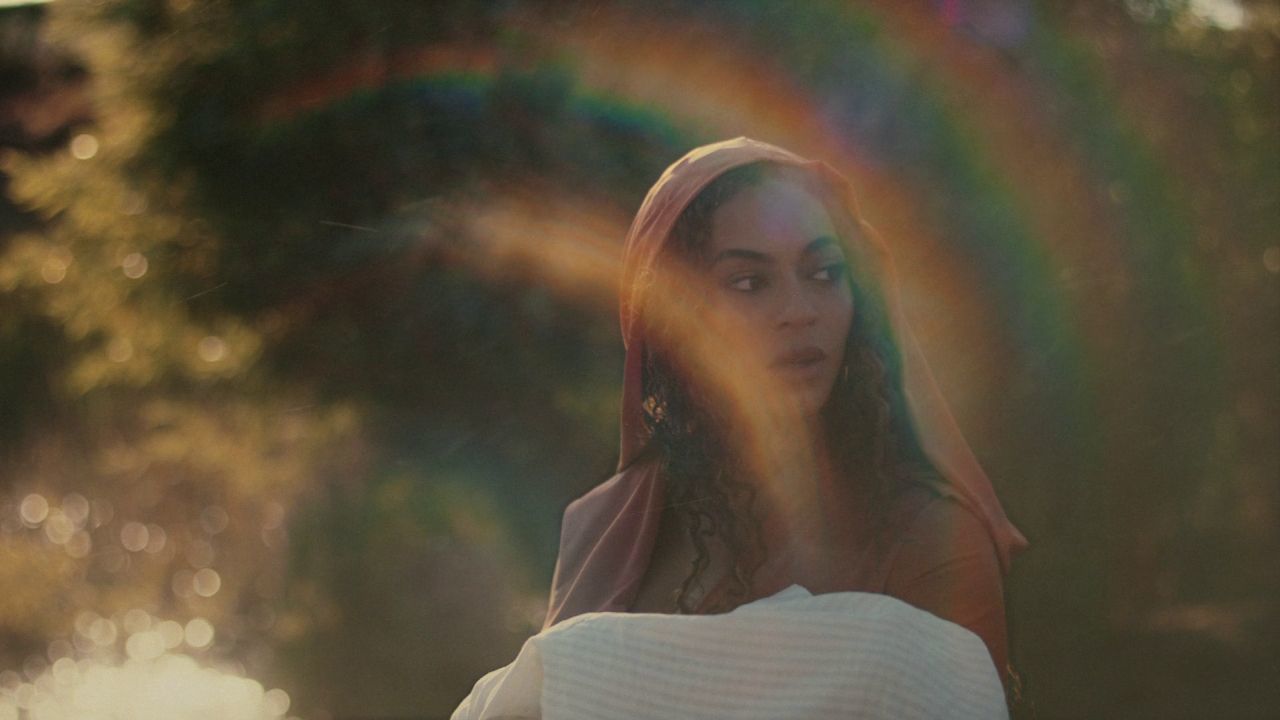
point(608, 535)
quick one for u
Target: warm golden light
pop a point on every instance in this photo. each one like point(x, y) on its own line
point(134, 266)
point(136, 620)
point(76, 508)
point(565, 244)
point(80, 545)
point(1271, 259)
point(395, 261)
point(207, 582)
point(150, 684)
point(58, 528)
point(146, 645)
point(212, 349)
point(103, 631)
point(34, 509)
point(156, 538)
point(214, 519)
point(84, 146)
point(276, 702)
point(199, 633)
point(183, 583)
point(54, 270)
point(119, 350)
point(134, 536)
point(171, 632)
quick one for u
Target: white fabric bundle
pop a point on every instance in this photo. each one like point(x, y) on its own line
point(794, 655)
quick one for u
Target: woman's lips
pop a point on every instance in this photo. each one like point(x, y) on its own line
point(801, 359)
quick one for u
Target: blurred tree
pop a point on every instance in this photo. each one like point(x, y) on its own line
point(240, 320)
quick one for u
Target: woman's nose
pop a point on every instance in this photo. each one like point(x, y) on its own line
point(797, 307)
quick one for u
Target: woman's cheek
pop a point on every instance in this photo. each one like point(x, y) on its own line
point(733, 308)
point(839, 305)
point(740, 325)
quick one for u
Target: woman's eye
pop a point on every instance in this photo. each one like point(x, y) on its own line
point(746, 283)
point(830, 273)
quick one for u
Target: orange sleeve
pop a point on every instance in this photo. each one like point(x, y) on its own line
point(946, 564)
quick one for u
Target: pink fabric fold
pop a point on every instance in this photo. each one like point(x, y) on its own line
point(606, 545)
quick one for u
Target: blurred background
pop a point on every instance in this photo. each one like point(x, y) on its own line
point(308, 328)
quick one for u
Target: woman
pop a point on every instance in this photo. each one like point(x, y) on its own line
point(779, 424)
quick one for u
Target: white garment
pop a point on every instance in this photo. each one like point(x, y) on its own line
point(793, 655)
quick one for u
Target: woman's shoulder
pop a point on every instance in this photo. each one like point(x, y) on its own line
point(935, 535)
point(931, 523)
point(944, 561)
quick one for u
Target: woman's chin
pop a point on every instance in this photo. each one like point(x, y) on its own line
point(802, 405)
point(811, 397)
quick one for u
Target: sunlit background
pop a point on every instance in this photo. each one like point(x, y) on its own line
point(308, 323)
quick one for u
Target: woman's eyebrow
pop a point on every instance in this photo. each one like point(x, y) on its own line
point(740, 253)
point(821, 243)
point(818, 244)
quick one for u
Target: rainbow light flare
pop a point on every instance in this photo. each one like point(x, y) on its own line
point(975, 297)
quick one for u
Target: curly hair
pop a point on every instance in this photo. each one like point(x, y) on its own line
point(865, 418)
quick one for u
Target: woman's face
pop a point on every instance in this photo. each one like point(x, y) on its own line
point(779, 276)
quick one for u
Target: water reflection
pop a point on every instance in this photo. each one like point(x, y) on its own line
point(152, 678)
point(168, 686)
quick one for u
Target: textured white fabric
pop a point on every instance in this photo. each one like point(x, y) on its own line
point(793, 655)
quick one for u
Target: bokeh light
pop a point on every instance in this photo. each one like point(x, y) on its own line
point(206, 582)
point(1271, 259)
point(150, 685)
point(198, 633)
point(80, 544)
point(134, 266)
point(212, 348)
point(84, 146)
point(134, 536)
point(34, 509)
point(214, 519)
point(54, 270)
point(76, 508)
point(58, 528)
